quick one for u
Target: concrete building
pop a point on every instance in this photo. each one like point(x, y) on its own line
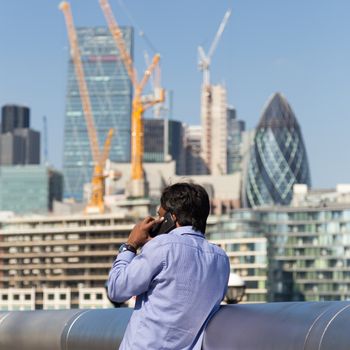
point(50, 262)
point(224, 190)
point(157, 175)
point(247, 250)
point(193, 147)
point(110, 93)
point(214, 128)
point(29, 189)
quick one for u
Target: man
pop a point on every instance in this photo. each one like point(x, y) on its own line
point(179, 278)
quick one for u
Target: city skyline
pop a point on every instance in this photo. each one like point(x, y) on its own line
point(296, 48)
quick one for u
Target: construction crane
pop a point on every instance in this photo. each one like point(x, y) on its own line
point(205, 60)
point(206, 100)
point(96, 201)
point(137, 186)
point(155, 84)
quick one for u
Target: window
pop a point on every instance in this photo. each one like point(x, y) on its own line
point(99, 296)
point(63, 296)
point(87, 296)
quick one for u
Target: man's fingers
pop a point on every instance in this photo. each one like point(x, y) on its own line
point(153, 222)
point(148, 219)
point(158, 220)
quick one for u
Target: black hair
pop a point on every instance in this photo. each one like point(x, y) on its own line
point(189, 202)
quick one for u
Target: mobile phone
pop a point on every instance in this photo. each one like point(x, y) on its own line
point(165, 226)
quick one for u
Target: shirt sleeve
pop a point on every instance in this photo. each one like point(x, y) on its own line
point(132, 274)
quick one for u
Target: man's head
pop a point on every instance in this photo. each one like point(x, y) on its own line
point(189, 203)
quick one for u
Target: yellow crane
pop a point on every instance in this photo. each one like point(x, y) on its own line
point(96, 201)
point(139, 105)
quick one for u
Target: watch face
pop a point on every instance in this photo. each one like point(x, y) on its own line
point(122, 248)
point(128, 247)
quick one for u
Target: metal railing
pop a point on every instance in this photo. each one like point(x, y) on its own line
point(273, 326)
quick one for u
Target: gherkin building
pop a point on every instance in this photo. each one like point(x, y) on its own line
point(278, 157)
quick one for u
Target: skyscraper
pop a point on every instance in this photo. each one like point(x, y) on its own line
point(110, 93)
point(164, 140)
point(14, 117)
point(214, 126)
point(278, 159)
point(19, 145)
point(235, 129)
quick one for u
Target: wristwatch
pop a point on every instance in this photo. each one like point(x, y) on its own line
point(125, 246)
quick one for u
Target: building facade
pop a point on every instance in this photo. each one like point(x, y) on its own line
point(298, 252)
point(110, 93)
point(278, 158)
point(19, 144)
point(214, 128)
point(246, 247)
point(193, 150)
point(29, 189)
point(58, 261)
point(235, 129)
point(14, 117)
point(164, 141)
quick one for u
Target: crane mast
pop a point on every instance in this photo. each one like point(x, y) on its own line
point(96, 201)
point(136, 186)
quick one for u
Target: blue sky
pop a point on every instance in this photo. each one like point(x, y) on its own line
point(300, 48)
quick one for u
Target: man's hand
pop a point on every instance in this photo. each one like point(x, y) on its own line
point(140, 233)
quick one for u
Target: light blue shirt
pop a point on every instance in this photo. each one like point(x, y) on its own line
point(179, 279)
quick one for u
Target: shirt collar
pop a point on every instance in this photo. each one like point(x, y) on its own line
point(186, 230)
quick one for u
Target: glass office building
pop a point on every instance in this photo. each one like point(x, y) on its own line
point(164, 140)
point(235, 129)
point(278, 157)
point(110, 93)
point(29, 189)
